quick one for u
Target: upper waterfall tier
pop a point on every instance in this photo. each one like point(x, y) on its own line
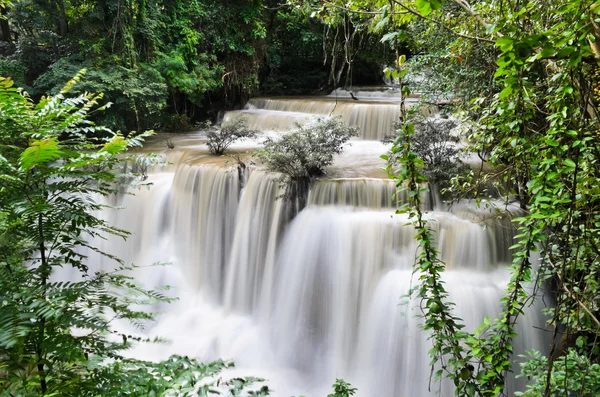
point(374, 119)
point(386, 93)
point(369, 193)
point(269, 120)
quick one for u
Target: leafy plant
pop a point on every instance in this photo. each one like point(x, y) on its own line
point(572, 375)
point(536, 133)
point(308, 150)
point(50, 175)
point(175, 377)
point(436, 142)
point(222, 136)
point(342, 388)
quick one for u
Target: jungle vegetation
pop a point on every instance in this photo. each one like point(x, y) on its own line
point(524, 75)
point(166, 65)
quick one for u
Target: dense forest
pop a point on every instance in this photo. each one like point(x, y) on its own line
point(84, 83)
point(166, 65)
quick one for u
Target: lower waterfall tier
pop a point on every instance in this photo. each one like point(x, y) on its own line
point(305, 301)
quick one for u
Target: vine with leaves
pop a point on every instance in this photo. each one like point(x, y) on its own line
point(540, 130)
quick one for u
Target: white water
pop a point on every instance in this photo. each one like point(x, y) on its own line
point(374, 119)
point(321, 297)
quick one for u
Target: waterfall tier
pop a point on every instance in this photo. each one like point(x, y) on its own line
point(374, 119)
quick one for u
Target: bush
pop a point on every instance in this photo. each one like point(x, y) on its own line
point(435, 143)
point(573, 374)
point(342, 388)
point(223, 136)
point(306, 151)
point(13, 69)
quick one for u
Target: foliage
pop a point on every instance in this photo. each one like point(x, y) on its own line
point(222, 136)
point(138, 96)
point(161, 62)
point(192, 81)
point(572, 375)
point(445, 328)
point(50, 175)
point(436, 141)
point(342, 389)
point(13, 69)
point(537, 134)
point(308, 150)
point(446, 66)
point(56, 332)
point(293, 57)
point(178, 376)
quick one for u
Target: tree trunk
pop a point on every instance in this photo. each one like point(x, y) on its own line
point(102, 8)
point(594, 44)
point(45, 271)
point(63, 26)
point(4, 27)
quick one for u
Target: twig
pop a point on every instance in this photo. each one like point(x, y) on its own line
point(572, 296)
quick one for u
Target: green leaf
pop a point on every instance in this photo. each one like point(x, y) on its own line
point(505, 92)
point(389, 37)
point(436, 4)
point(470, 389)
point(565, 52)
point(424, 7)
point(505, 43)
point(116, 145)
point(39, 152)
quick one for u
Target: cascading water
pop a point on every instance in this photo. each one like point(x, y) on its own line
point(374, 119)
point(303, 302)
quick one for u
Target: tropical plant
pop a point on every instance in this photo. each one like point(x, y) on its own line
point(437, 141)
point(51, 178)
point(573, 375)
point(537, 134)
point(163, 64)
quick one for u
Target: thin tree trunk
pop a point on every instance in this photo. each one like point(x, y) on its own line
point(45, 274)
point(4, 26)
point(594, 44)
point(63, 26)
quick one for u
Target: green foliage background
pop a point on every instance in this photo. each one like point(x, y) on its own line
point(167, 64)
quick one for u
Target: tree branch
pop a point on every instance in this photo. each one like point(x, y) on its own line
point(356, 11)
point(440, 24)
point(464, 4)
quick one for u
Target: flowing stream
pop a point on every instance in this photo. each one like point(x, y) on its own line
point(302, 302)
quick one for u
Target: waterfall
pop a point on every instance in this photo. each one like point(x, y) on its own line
point(375, 120)
point(360, 192)
point(255, 241)
point(269, 120)
point(323, 295)
point(204, 204)
point(368, 93)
